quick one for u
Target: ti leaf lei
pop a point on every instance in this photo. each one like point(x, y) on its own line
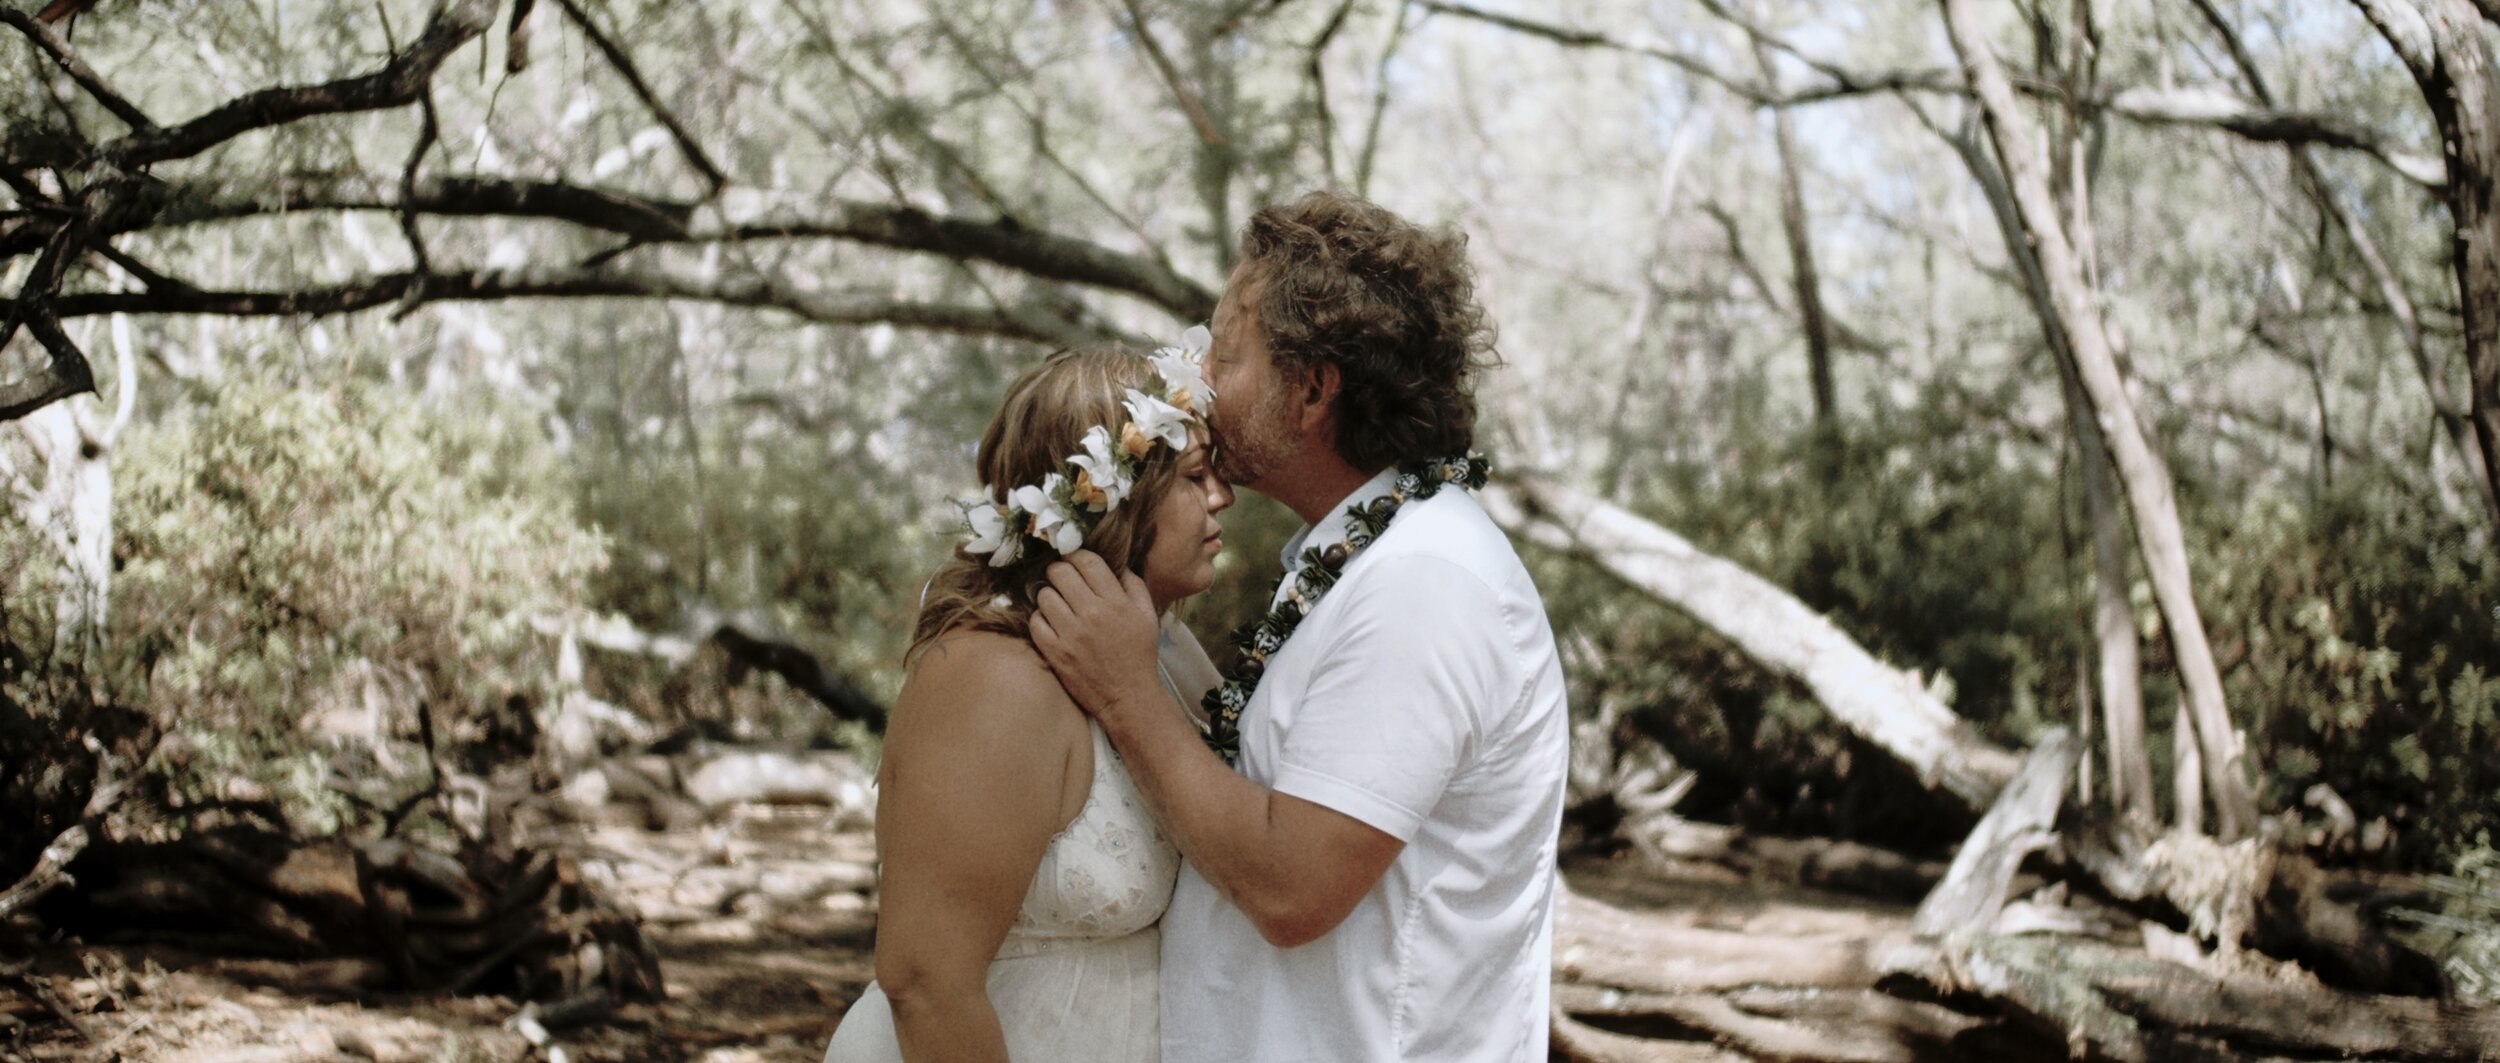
point(1260, 639)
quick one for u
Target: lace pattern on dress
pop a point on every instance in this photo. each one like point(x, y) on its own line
point(1107, 874)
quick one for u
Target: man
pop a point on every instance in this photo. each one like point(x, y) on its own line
point(1378, 880)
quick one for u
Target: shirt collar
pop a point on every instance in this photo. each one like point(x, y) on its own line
point(1334, 527)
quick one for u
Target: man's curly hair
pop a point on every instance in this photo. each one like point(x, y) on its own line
point(1391, 305)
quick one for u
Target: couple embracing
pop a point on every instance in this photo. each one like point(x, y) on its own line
point(1094, 846)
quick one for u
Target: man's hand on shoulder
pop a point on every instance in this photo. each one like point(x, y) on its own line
point(1097, 630)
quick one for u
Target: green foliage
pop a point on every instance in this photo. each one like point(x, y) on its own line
point(287, 557)
point(2358, 640)
point(2354, 626)
point(833, 556)
point(2460, 922)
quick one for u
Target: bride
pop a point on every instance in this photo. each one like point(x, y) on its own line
point(1022, 874)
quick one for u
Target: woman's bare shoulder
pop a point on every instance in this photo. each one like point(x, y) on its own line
point(988, 675)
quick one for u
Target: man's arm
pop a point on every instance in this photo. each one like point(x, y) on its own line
point(1296, 868)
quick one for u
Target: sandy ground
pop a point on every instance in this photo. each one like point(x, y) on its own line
point(764, 926)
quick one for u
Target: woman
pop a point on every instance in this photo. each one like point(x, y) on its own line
point(1022, 876)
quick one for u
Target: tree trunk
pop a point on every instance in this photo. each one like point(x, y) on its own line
point(2462, 430)
point(2444, 43)
point(1810, 316)
point(2140, 468)
point(72, 508)
point(1888, 707)
point(2113, 621)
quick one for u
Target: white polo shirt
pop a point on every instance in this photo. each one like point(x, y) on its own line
point(1423, 696)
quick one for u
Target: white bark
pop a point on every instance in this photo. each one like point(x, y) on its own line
point(69, 501)
point(1890, 707)
point(2140, 468)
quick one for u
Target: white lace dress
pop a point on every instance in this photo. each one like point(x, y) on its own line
point(1075, 981)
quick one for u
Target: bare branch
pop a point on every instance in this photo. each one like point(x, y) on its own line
point(396, 84)
point(2406, 31)
point(1172, 77)
point(739, 215)
point(1572, 37)
point(428, 129)
point(1317, 67)
point(68, 373)
point(2200, 108)
point(624, 66)
point(488, 285)
point(76, 68)
point(52, 868)
point(2213, 108)
point(1380, 100)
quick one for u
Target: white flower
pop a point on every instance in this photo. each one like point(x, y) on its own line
point(1103, 479)
point(1184, 383)
point(1159, 419)
point(1052, 523)
point(993, 533)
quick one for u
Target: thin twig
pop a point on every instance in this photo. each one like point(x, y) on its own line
point(1319, 90)
point(77, 69)
point(1380, 100)
point(428, 129)
point(1172, 77)
point(624, 66)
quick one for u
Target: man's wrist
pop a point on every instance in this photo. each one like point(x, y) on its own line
point(1132, 705)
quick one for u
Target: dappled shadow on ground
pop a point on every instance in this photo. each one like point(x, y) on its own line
point(763, 925)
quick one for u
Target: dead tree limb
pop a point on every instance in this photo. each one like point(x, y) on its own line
point(396, 84)
point(738, 215)
point(58, 51)
point(2202, 108)
point(611, 281)
point(1891, 708)
point(51, 869)
point(623, 64)
point(2023, 820)
point(2123, 1005)
point(751, 642)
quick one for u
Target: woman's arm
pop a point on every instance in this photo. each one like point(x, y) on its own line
point(976, 780)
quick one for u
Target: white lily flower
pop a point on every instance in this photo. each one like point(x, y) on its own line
point(1105, 478)
point(1051, 523)
point(1159, 419)
point(1184, 380)
point(993, 533)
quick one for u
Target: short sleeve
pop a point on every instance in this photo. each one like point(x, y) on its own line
point(1398, 701)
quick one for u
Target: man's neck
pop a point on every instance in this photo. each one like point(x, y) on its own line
point(1313, 486)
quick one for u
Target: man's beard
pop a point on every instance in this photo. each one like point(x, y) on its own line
point(1255, 444)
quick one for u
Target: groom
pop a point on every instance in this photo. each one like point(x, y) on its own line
point(1378, 880)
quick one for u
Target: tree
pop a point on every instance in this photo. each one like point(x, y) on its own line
point(2447, 48)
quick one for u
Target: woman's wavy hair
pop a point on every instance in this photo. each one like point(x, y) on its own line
point(1391, 305)
point(1040, 423)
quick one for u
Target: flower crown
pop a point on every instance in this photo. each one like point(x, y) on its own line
point(1061, 510)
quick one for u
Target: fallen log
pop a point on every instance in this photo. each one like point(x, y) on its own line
point(1597, 944)
point(1801, 1025)
point(2255, 894)
point(2123, 1005)
point(1890, 707)
point(523, 923)
point(1816, 863)
point(2022, 822)
point(751, 641)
